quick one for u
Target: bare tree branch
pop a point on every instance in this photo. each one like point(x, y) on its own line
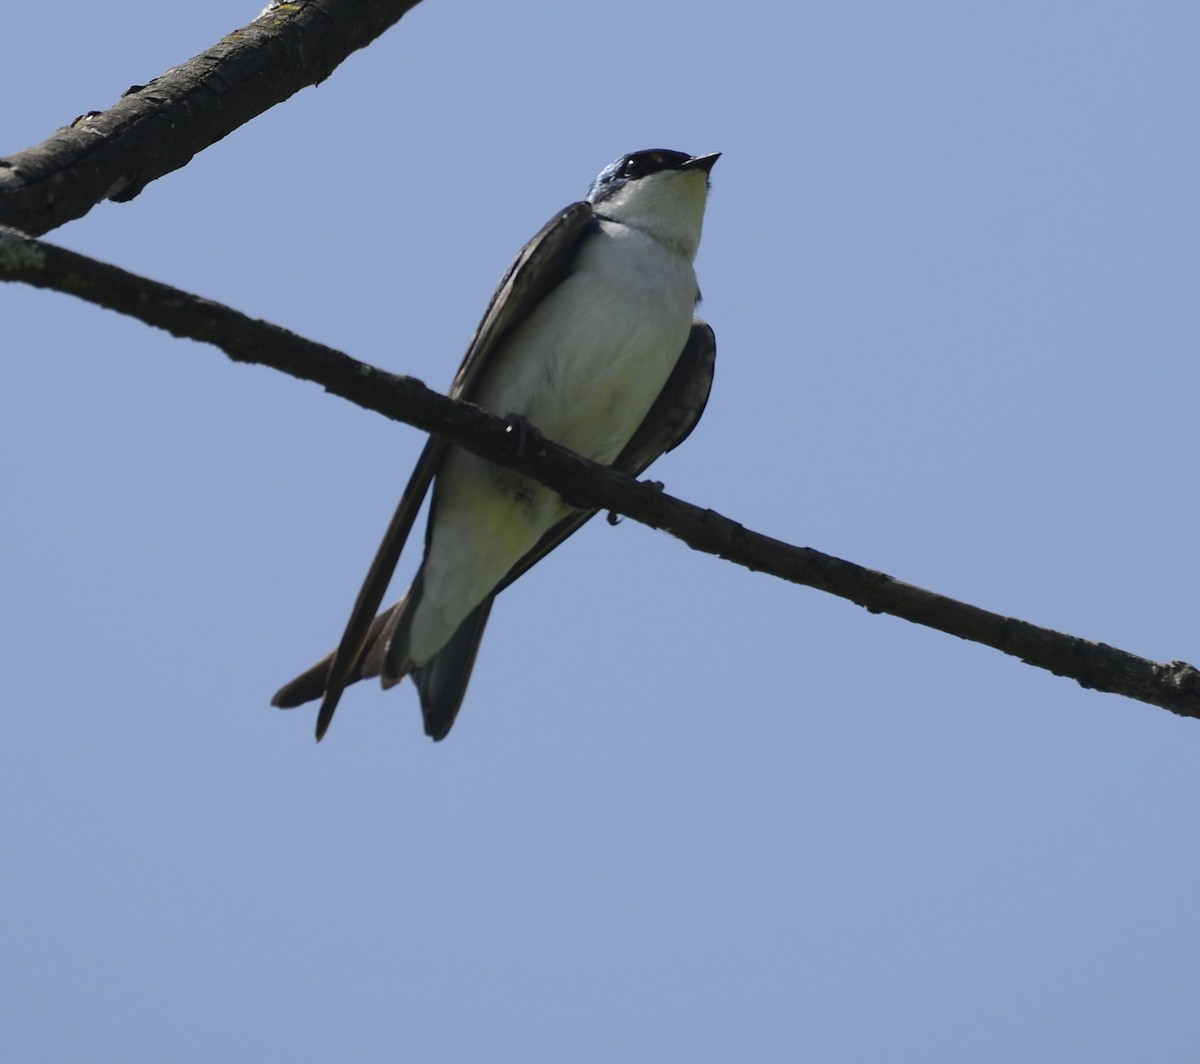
point(156, 128)
point(1174, 686)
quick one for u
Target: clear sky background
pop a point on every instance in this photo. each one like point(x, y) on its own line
point(687, 812)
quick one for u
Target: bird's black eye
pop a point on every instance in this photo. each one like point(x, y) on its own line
point(633, 167)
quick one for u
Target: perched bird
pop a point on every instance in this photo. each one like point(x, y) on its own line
point(590, 340)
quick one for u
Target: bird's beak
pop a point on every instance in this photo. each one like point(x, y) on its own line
point(701, 162)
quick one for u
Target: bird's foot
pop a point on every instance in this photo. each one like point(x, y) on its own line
point(528, 435)
point(656, 486)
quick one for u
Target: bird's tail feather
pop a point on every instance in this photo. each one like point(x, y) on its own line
point(442, 680)
point(310, 684)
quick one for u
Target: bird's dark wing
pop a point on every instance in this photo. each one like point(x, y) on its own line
point(679, 405)
point(541, 265)
point(442, 681)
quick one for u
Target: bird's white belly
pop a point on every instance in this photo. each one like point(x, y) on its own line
point(583, 369)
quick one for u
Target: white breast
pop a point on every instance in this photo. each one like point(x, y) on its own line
point(584, 369)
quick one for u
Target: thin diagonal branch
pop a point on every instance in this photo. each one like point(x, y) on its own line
point(1174, 686)
point(156, 128)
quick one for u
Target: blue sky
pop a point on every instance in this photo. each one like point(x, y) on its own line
point(688, 812)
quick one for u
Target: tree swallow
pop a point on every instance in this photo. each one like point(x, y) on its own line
point(590, 340)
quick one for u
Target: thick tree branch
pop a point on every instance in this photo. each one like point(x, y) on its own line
point(1174, 686)
point(156, 128)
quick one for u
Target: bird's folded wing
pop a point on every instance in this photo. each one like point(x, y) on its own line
point(541, 265)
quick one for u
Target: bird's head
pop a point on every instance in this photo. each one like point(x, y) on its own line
point(662, 192)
